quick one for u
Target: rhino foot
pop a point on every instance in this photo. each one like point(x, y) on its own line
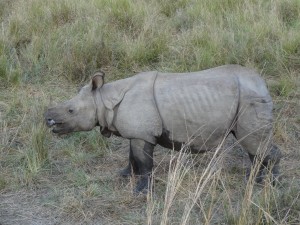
point(270, 164)
point(143, 185)
point(259, 177)
point(126, 172)
point(276, 178)
point(262, 175)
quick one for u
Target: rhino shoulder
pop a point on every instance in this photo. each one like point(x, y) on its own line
point(131, 107)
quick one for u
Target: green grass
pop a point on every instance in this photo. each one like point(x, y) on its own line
point(285, 87)
point(50, 48)
point(125, 35)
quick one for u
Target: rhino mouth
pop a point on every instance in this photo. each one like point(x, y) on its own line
point(57, 127)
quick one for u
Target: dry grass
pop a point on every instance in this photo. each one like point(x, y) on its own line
point(52, 47)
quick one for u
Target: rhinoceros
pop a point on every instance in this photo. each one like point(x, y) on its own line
point(172, 109)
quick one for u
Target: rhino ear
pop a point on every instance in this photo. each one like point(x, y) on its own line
point(97, 80)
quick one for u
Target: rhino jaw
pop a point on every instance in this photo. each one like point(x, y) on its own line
point(57, 130)
point(60, 128)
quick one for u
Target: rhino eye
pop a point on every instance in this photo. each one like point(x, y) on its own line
point(71, 111)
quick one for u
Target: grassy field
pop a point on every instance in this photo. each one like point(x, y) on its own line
point(50, 48)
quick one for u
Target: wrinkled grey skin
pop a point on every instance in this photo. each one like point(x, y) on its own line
point(169, 109)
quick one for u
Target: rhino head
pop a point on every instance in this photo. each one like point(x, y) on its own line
point(78, 113)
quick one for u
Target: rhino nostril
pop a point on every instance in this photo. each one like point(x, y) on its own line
point(50, 122)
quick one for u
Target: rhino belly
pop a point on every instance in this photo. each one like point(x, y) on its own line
point(166, 141)
point(196, 110)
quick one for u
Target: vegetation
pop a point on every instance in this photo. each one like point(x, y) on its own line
point(49, 48)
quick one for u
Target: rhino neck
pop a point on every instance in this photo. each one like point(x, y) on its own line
point(100, 109)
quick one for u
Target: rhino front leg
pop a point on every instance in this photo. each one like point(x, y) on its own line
point(141, 160)
point(131, 168)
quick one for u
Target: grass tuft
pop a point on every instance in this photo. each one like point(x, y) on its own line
point(170, 9)
point(285, 87)
point(289, 12)
point(36, 156)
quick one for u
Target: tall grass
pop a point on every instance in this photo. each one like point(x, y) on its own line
point(73, 38)
point(207, 195)
point(37, 154)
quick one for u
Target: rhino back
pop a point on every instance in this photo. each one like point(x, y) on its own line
point(198, 107)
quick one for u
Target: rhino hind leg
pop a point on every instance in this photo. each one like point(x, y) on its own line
point(270, 163)
point(266, 160)
point(141, 162)
point(253, 130)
